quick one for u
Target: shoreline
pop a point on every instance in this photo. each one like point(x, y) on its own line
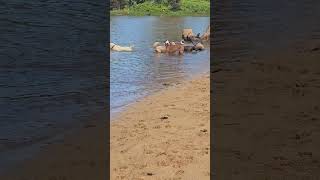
point(117, 111)
point(82, 150)
point(170, 141)
point(161, 15)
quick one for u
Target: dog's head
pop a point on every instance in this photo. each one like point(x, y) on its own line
point(172, 43)
point(167, 43)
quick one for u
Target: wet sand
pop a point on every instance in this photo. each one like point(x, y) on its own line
point(165, 135)
point(266, 122)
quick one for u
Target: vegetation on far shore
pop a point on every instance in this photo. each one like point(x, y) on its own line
point(163, 8)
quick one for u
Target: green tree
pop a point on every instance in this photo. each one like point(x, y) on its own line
point(175, 4)
point(161, 1)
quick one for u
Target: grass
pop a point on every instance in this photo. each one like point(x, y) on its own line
point(188, 8)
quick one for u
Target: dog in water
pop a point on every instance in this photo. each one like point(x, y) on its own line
point(174, 47)
point(199, 47)
point(115, 47)
point(159, 47)
point(191, 48)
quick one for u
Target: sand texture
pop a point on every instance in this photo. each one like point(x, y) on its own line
point(164, 136)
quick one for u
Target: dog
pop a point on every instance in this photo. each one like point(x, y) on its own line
point(172, 47)
point(156, 44)
point(199, 47)
point(186, 34)
point(167, 43)
point(115, 47)
point(159, 48)
point(194, 47)
point(189, 48)
point(174, 43)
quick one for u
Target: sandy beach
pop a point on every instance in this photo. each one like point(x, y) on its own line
point(266, 118)
point(162, 136)
point(165, 135)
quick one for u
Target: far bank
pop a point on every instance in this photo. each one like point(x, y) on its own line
point(187, 8)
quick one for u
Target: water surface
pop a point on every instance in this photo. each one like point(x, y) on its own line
point(142, 72)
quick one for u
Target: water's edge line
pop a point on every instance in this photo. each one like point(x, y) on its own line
point(115, 115)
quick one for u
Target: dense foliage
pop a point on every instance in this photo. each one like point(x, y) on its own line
point(120, 4)
point(161, 7)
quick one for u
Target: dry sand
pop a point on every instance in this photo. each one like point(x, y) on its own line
point(164, 136)
point(266, 122)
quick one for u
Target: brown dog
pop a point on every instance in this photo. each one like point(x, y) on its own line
point(159, 48)
point(189, 48)
point(172, 47)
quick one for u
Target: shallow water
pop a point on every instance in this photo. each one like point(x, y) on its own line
point(142, 72)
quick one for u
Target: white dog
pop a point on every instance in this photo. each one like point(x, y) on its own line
point(115, 47)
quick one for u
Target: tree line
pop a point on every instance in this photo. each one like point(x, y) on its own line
point(120, 4)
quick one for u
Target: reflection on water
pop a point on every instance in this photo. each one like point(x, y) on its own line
point(246, 29)
point(141, 72)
